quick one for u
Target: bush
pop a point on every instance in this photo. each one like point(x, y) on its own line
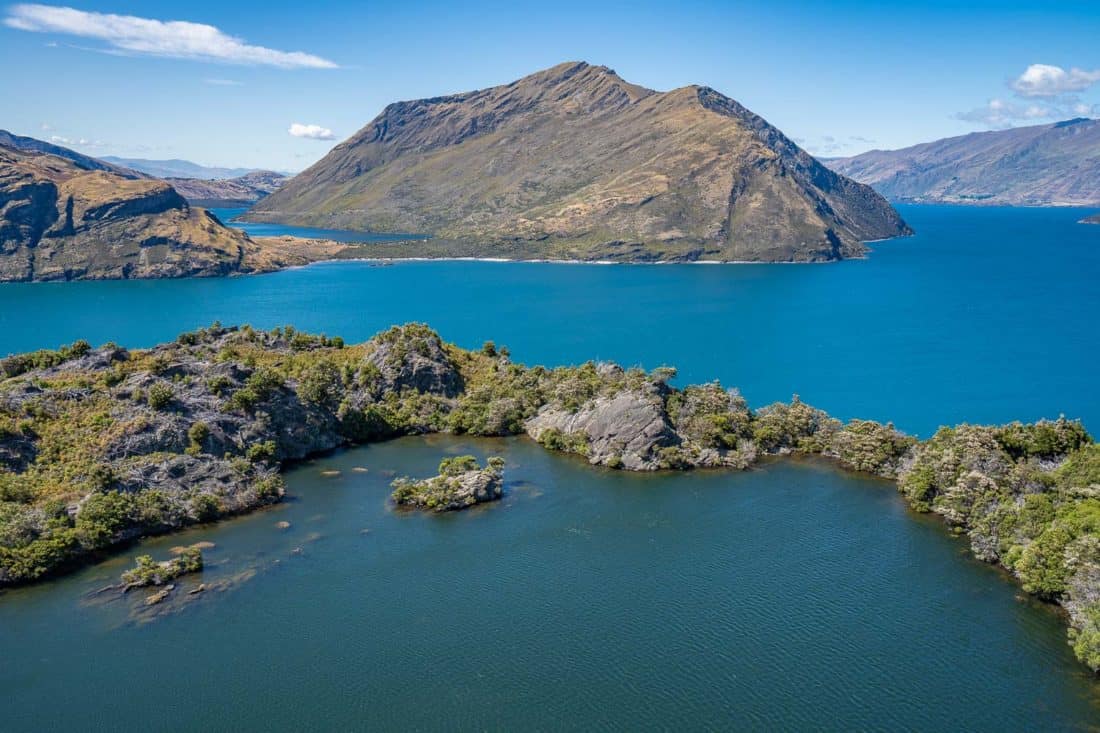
point(321, 384)
point(159, 396)
point(197, 434)
point(103, 516)
point(457, 465)
point(264, 451)
point(259, 386)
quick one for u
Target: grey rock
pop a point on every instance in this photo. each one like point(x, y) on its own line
point(626, 430)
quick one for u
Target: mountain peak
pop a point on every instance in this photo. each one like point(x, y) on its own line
point(573, 161)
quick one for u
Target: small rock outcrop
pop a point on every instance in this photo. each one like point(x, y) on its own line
point(461, 484)
point(150, 572)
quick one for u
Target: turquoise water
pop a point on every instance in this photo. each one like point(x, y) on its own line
point(987, 315)
point(790, 597)
point(228, 215)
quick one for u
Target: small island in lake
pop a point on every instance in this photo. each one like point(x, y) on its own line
point(1094, 219)
point(100, 446)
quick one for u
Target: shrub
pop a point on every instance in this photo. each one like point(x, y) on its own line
point(264, 451)
point(321, 384)
point(259, 386)
point(206, 507)
point(197, 434)
point(159, 396)
point(457, 465)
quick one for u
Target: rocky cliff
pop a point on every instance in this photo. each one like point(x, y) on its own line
point(575, 162)
point(62, 220)
point(1041, 165)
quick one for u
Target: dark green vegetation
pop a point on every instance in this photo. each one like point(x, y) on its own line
point(150, 572)
point(461, 483)
point(100, 446)
point(573, 162)
point(1024, 166)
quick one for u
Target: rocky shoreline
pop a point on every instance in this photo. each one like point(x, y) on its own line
point(99, 447)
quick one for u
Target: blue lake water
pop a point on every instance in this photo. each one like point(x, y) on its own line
point(259, 229)
point(789, 597)
point(987, 315)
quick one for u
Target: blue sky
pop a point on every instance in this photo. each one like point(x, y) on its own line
point(839, 77)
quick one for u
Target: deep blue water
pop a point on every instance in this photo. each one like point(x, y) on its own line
point(228, 216)
point(986, 315)
point(790, 597)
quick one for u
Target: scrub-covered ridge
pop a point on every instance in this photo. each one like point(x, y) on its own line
point(102, 446)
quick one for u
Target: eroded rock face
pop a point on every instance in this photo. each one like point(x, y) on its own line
point(627, 430)
point(71, 217)
point(413, 357)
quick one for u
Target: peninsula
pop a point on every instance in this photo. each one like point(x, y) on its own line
point(100, 446)
point(575, 163)
point(65, 216)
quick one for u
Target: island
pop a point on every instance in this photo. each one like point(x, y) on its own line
point(1094, 219)
point(575, 163)
point(101, 446)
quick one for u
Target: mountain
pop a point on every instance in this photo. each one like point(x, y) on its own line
point(574, 162)
point(66, 219)
point(240, 191)
point(30, 144)
point(1056, 164)
point(177, 168)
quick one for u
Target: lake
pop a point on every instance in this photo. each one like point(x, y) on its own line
point(791, 596)
point(987, 315)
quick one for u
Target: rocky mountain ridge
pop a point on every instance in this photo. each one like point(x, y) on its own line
point(573, 162)
point(1041, 165)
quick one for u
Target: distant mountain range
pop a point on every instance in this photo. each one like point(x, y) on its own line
point(575, 162)
point(177, 168)
point(241, 191)
point(1042, 165)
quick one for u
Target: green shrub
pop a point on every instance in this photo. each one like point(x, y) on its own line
point(262, 451)
point(259, 386)
point(159, 396)
point(457, 465)
point(197, 434)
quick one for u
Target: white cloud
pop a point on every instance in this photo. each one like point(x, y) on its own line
point(78, 141)
point(224, 82)
point(1002, 113)
point(313, 132)
point(1044, 80)
point(145, 36)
